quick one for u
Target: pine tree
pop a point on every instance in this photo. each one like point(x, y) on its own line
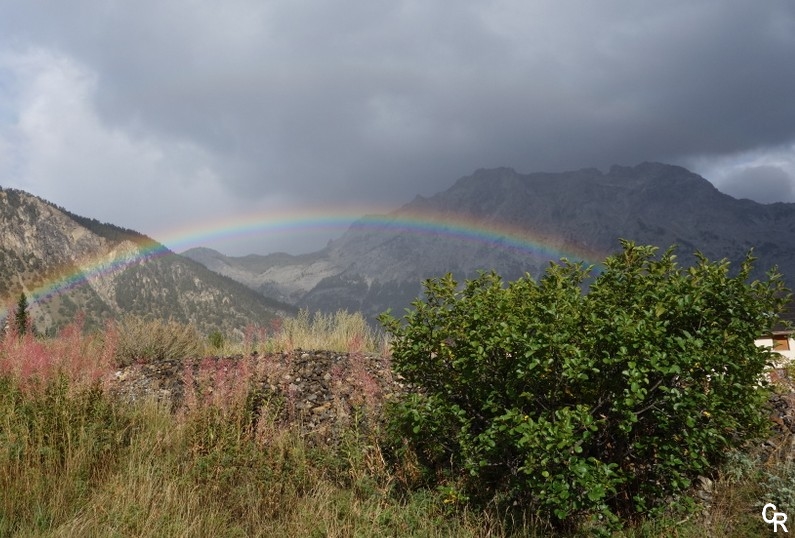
point(21, 316)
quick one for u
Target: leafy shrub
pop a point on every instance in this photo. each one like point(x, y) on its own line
point(598, 404)
point(141, 340)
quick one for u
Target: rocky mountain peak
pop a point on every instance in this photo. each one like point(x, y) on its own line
point(586, 210)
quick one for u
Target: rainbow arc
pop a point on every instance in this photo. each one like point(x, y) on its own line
point(332, 222)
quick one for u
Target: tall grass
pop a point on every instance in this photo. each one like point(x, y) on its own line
point(75, 461)
point(139, 339)
point(341, 331)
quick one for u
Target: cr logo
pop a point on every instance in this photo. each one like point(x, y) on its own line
point(779, 518)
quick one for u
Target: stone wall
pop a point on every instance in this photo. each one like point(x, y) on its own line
point(321, 391)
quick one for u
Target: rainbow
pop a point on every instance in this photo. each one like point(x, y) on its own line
point(336, 222)
point(330, 222)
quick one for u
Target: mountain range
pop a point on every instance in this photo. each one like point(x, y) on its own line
point(67, 264)
point(493, 219)
point(516, 223)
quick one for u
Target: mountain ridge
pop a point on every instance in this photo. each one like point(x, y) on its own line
point(585, 210)
point(381, 260)
point(68, 264)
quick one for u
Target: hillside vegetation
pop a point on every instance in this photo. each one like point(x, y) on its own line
point(78, 457)
point(68, 264)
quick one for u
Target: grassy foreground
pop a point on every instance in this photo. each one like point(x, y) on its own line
point(75, 461)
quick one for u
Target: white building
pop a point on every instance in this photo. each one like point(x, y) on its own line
point(782, 343)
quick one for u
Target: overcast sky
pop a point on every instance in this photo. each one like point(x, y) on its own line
point(158, 115)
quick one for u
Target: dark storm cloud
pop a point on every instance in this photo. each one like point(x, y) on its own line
point(379, 101)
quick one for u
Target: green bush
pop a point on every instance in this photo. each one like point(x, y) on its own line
point(577, 405)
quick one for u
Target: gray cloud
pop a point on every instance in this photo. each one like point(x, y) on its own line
point(199, 107)
point(761, 183)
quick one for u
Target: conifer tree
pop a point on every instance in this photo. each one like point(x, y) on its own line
point(21, 316)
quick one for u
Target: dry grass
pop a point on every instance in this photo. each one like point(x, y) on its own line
point(141, 340)
point(341, 331)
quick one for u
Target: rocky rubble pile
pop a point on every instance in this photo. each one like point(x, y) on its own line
point(781, 444)
point(323, 391)
point(783, 412)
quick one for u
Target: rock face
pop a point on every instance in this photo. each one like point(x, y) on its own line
point(68, 264)
point(281, 276)
point(324, 391)
point(374, 267)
